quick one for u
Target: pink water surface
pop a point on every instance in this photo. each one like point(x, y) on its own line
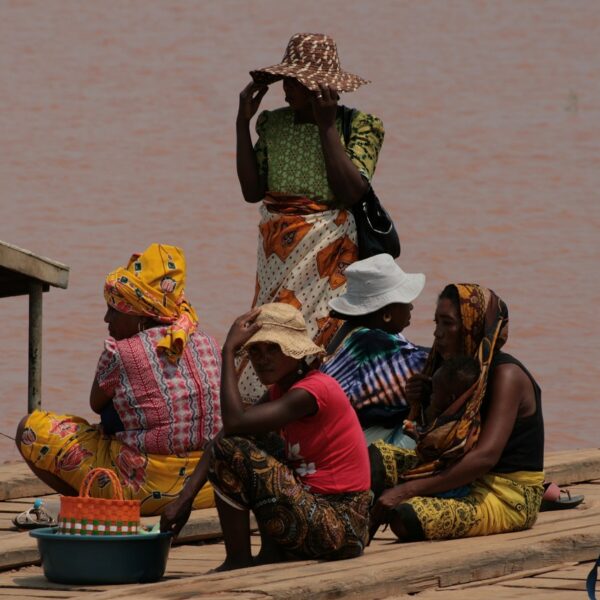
point(117, 130)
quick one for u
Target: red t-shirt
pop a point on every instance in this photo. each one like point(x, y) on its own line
point(327, 450)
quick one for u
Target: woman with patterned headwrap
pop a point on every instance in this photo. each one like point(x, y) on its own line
point(492, 439)
point(156, 390)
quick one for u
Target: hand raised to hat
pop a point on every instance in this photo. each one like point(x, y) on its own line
point(242, 330)
point(250, 98)
point(324, 104)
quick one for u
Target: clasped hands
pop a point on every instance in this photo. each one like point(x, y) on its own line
point(389, 499)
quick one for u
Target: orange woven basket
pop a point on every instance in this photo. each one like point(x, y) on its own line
point(84, 515)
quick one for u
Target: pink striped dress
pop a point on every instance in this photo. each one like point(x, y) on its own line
point(165, 408)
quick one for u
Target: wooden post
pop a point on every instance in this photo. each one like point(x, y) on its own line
point(34, 392)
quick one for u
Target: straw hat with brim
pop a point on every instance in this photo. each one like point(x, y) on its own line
point(284, 325)
point(376, 282)
point(311, 58)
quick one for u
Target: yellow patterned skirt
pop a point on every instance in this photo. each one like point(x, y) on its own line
point(495, 503)
point(68, 447)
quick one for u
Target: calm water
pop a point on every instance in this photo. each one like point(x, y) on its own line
point(117, 130)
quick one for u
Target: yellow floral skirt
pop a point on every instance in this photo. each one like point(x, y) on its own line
point(69, 447)
point(495, 502)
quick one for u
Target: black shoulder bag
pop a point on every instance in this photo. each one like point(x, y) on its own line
point(375, 229)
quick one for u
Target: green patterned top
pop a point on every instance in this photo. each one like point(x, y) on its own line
point(290, 157)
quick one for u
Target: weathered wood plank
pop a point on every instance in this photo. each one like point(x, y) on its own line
point(565, 468)
point(402, 569)
point(22, 485)
point(494, 592)
point(579, 571)
point(385, 569)
point(31, 265)
point(17, 550)
point(544, 571)
point(17, 481)
point(23, 593)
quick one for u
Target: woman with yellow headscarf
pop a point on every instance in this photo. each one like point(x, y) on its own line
point(156, 390)
point(482, 471)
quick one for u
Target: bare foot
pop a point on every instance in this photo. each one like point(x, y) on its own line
point(230, 565)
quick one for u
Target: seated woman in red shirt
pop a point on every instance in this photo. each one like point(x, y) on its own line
point(314, 502)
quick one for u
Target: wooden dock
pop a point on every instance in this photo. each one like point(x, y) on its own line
point(550, 561)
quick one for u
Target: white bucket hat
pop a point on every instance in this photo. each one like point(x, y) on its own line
point(376, 282)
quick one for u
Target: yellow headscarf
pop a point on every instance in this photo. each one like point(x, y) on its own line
point(152, 285)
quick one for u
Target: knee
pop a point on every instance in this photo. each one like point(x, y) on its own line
point(406, 525)
point(227, 447)
point(19, 432)
point(223, 447)
point(399, 528)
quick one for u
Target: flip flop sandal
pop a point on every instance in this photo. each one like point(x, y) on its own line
point(33, 518)
point(563, 501)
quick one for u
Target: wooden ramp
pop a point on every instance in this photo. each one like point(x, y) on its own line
point(387, 569)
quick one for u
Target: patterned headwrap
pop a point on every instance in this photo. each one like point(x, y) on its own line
point(152, 285)
point(484, 319)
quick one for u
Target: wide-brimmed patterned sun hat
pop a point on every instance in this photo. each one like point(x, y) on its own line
point(311, 58)
point(284, 325)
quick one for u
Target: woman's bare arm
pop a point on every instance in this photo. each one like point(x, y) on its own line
point(260, 418)
point(99, 399)
point(176, 513)
point(511, 387)
point(253, 188)
point(345, 180)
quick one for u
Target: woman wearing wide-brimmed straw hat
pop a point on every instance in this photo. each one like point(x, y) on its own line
point(307, 177)
point(310, 497)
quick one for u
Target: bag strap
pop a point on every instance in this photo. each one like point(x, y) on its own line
point(347, 118)
point(86, 484)
point(590, 582)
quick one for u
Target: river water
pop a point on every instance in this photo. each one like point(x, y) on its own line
point(117, 130)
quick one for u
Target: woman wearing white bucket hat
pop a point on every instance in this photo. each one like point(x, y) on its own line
point(369, 356)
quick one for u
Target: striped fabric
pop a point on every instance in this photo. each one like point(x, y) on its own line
point(95, 527)
point(372, 367)
point(166, 408)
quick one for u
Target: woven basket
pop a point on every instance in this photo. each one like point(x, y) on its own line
point(84, 515)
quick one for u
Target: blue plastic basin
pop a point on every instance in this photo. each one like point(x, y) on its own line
point(100, 560)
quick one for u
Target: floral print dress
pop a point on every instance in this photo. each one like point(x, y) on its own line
point(306, 238)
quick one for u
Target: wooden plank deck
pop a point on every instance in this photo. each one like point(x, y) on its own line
point(17, 481)
point(387, 569)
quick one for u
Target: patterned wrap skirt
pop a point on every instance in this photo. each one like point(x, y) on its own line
point(495, 502)
point(69, 447)
point(303, 249)
point(308, 525)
